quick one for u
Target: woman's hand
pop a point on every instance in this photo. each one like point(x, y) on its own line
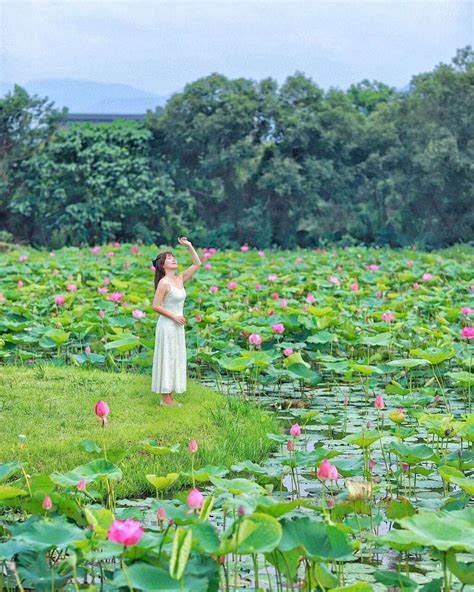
point(184, 241)
point(179, 319)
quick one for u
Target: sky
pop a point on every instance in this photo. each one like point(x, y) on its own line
point(159, 46)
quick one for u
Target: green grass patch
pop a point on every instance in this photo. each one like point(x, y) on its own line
point(54, 408)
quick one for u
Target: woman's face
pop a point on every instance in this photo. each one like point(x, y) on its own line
point(170, 262)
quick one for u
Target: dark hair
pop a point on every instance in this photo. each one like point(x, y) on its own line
point(158, 263)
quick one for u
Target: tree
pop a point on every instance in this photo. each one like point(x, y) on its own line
point(27, 125)
point(95, 183)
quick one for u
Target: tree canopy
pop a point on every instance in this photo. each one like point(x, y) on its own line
point(233, 161)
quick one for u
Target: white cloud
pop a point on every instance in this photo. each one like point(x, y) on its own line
point(159, 45)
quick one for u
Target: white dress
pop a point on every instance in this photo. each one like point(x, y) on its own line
point(169, 356)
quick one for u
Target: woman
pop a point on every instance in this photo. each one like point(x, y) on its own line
point(169, 357)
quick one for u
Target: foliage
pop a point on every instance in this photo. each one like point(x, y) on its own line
point(249, 161)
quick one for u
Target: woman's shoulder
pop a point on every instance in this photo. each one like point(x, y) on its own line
point(164, 282)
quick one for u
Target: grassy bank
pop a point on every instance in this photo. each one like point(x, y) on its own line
point(54, 408)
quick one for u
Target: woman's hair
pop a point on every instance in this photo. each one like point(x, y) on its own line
point(159, 263)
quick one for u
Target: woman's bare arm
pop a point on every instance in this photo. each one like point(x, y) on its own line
point(188, 273)
point(160, 293)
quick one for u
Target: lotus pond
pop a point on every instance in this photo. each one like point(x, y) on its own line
point(364, 355)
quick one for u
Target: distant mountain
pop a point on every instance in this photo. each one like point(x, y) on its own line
point(86, 96)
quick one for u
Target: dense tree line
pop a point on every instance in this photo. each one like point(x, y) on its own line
point(234, 161)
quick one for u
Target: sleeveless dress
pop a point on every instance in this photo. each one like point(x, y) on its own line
point(169, 356)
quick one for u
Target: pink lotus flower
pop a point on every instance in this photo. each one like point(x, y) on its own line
point(244, 247)
point(255, 338)
point(258, 286)
point(274, 295)
point(468, 332)
point(339, 268)
point(261, 253)
point(47, 503)
point(212, 250)
point(206, 255)
point(116, 296)
point(2, 298)
point(416, 286)
point(213, 289)
point(116, 244)
point(195, 499)
point(410, 263)
point(106, 281)
point(70, 278)
point(20, 283)
point(81, 486)
point(22, 258)
point(101, 314)
point(310, 299)
point(87, 349)
point(278, 327)
point(192, 446)
point(95, 250)
point(427, 277)
point(241, 510)
point(55, 271)
point(327, 470)
point(126, 264)
point(138, 314)
point(134, 250)
point(208, 266)
point(110, 254)
point(372, 267)
point(295, 430)
point(271, 312)
point(355, 287)
point(379, 402)
point(388, 317)
point(71, 287)
point(232, 284)
point(378, 294)
point(334, 280)
point(102, 290)
point(299, 259)
point(161, 514)
point(372, 464)
point(198, 318)
point(59, 300)
point(466, 310)
point(272, 277)
point(288, 351)
point(290, 446)
point(101, 409)
point(324, 469)
point(125, 532)
point(283, 302)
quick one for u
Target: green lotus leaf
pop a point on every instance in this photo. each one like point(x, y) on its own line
point(238, 486)
point(315, 540)
point(96, 469)
point(257, 533)
point(441, 530)
point(161, 483)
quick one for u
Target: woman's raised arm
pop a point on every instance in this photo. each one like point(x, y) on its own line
point(190, 271)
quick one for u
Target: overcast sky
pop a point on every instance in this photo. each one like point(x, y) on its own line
point(159, 46)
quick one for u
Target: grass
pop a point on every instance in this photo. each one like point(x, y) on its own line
point(54, 408)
